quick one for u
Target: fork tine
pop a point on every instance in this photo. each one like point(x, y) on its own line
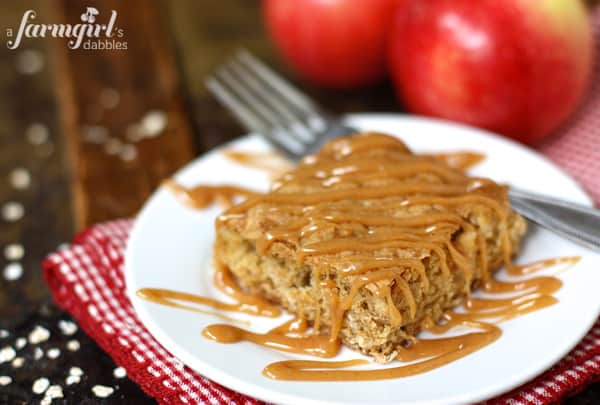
point(286, 89)
point(275, 129)
point(244, 94)
point(245, 115)
point(275, 101)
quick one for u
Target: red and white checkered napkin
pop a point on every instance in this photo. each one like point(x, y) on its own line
point(87, 281)
point(576, 146)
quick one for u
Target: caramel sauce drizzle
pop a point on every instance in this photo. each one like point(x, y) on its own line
point(437, 353)
point(224, 281)
point(337, 184)
point(269, 161)
point(461, 160)
point(203, 196)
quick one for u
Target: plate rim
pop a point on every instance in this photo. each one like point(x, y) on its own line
point(265, 394)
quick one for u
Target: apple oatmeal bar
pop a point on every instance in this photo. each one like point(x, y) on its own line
point(369, 241)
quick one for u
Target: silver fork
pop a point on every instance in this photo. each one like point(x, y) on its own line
point(268, 105)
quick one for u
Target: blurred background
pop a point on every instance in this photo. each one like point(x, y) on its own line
point(87, 134)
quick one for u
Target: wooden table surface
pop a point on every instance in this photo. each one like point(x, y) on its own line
point(71, 154)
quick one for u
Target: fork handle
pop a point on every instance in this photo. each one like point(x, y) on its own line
point(576, 222)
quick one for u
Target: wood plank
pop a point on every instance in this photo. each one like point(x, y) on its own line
point(28, 102)
point(27, 98)
point(143, 78)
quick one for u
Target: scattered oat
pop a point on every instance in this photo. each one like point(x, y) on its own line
point(153, 123)
point(67, 327)
point(109, 98)
point(30, 61)
point(5, 380)
point(128, 153)
point(54, 391)
point(20, 178)
point(102, 391)
point(7, 354)
point(38, 353)
point(39, 334)
point(37, 133)
point(73, 345)
point(20, 343)
point(46, 401)
point(12, 211)
point(73, 379)
point(134, 133)
point(14, 251)
point(18, 362)
point(13, 271)
point(113, 146)
point(95, 134)
point(40, 385)
point(119, 372)
point(53, 353)
point(76, 371)
point(4, 333)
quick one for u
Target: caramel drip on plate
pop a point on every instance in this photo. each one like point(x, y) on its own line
point(203, 196)
point(249, 303)
point(294, 325)
point(173, 299)
point(315, 345)
point(223, 279)
point(437, 352)
point(268, 161)
point(515, 270)
point(461, 160)
point(353, 190)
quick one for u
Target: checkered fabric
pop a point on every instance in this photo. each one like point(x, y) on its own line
point(87, 281)
point(576, 146)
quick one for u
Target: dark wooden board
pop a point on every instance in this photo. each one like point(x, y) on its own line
point(146, 79)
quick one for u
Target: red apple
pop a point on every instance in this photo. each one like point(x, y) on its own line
point(516, 67)
point(334, 43)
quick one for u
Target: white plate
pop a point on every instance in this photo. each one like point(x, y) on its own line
point(171, 246)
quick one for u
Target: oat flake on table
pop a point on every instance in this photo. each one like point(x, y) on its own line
point(40, 385)
point(37, 133)
point(102, 391)
point(18, 362)
point(39, 334)
point(53, 353)
point(7, 354)
point(73, 345)
point(13, 271)
point(20, 343)
point(68, 328)
point(14, 251)
point(72, 379)
point(76, 371)
point(54, 391)
point(12, 211)
point(119, 372)
point(20, 178)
